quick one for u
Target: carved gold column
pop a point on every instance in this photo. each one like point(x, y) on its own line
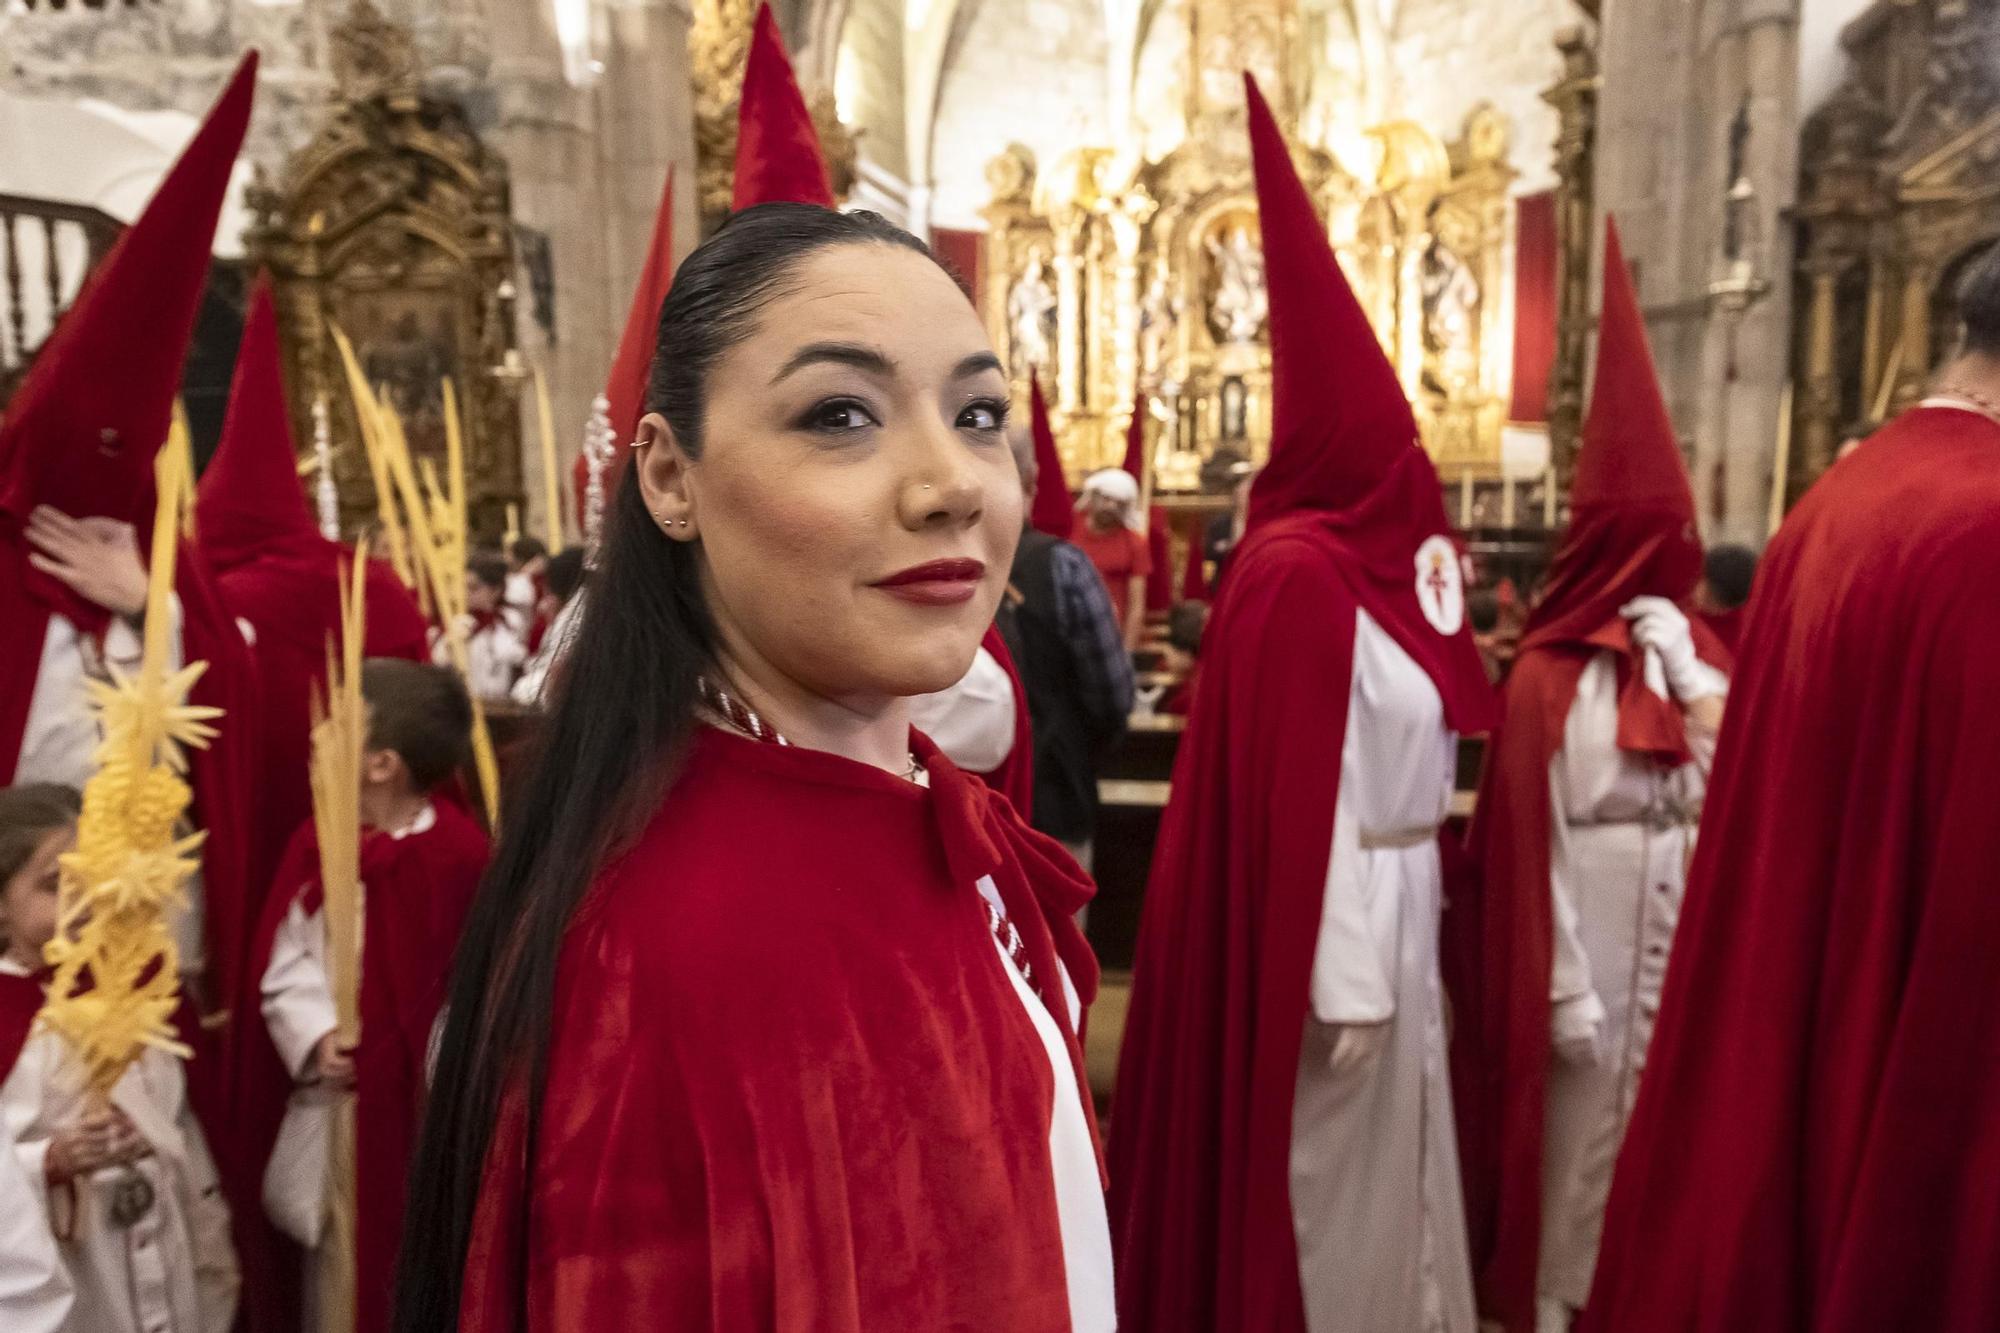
point(1913, 341)
point(1817, 424)
point(1070, 239)
point(1574, 97)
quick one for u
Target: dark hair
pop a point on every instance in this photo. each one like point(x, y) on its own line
point(564, 574)
point(1979, 303)
point(1730, 570)
point(28, 814)
point(489, 567)
point(1186, 624)
point(1482, 609)
point(421, 713)
point(606, 756)
point(524, 549)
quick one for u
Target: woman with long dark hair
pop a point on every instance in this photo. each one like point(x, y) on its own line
point(765, 1017)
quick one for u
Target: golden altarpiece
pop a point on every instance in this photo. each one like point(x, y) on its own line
point(1899, 194)
point(394, 224)
point(1146, 286)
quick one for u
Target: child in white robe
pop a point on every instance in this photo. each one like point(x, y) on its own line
point(495, 644)
point(128, 1194)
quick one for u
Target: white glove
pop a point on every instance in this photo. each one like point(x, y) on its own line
point(1356, 1044)
point(1662, 629)
point(1576, 1030)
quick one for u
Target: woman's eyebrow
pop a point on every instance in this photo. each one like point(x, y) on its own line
point(858, 355)
point(976, 364)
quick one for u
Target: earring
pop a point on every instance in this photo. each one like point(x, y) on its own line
point(636, 444)
point(683, 522)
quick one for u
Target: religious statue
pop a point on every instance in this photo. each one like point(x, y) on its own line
point(1451, 321)
point(1031, 314)
point(1159, 321)
point(1237, 309)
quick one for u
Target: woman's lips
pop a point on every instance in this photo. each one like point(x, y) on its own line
point(939, 583)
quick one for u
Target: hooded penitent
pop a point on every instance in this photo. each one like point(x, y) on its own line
point(1159, 541)
point(1348, 516)
point(279, 574)
point(1631, 534)
point(625, 388)
point(778, 155)
point(81, 432)
point(1051, 511)
point(281, 577)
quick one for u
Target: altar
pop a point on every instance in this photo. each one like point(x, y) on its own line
point(1133, 285)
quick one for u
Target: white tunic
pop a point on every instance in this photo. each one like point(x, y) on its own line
point(1080, 1208)
point(493, 656)
point(1623, 831)
point(972, 721)
point(34, 1286)
point(1376, 1207)
point(59, 742)
point(171, 1271)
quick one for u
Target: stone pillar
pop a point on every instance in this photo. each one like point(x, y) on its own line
point(1761, 359)
point(587, 163)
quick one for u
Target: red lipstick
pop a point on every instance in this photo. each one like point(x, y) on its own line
point(939, 583)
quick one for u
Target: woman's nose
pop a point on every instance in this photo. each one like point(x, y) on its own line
point(943, 487)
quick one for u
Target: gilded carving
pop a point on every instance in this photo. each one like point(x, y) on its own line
point(394, 223)
point(1895, 198)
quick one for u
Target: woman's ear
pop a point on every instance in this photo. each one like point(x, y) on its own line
point(663, 473)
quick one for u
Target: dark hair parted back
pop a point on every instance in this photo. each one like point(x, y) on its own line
point(489, 567)
point(609, 749)
point(29, 813)
point(420, 712)
point(1979, 303)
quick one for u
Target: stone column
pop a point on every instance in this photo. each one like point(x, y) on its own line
point(1761, 357)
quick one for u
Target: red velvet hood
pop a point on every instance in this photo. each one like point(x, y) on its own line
point(778, 155)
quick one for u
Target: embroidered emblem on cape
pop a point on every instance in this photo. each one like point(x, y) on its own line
point(1441, 585)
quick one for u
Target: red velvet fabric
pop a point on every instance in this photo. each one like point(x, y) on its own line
point(1194, 575)
point(1725, 625)
point(20, 1001)
point(802, 1107)
point(625, 390)
point(1052, 511)
point(292, 603)
point(1536, 250)
point(1201, 1208)
point(1816, 1143)
point(777, 149)
point(1015, 778)
point(416, 891)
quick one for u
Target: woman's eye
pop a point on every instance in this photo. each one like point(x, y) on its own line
point(839, 416)
point(985, 415)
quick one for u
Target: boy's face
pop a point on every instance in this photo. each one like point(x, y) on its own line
point(481, 596)
point(28, 902)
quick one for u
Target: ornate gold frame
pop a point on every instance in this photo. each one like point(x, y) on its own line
point(1897, 195)
point(395, 223)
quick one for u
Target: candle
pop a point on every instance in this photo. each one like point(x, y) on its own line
point(1506, 500)
point(1465, 498)
point(551, 479)
point(1549, 497)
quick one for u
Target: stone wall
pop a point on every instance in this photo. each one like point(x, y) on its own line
point(1024, 71)
point(868, 81)
point(1675, 79)
point(1451, 55)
